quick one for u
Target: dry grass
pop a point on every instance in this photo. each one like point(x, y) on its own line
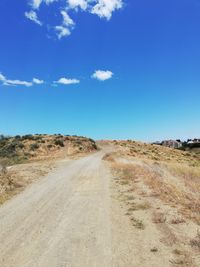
point(174, 177)
point(170, 180)
point(159, 217)
point(182, 258)
point(177, 220)
point(190, 175)
point(9, 185)
point(157, 153)
point(108, 157)
point(137, 223)
point(170, 193)
point(195, 242)
point(140, 206)
point(14, 180)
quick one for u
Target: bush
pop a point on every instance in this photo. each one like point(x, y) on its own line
point(50, 146)
point(20, 145)
point(59, 142)
point(34, 146)
point(28, 137)
point(17, 137)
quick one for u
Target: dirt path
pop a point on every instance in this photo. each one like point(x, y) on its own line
point(77, 216)
point(63, 220)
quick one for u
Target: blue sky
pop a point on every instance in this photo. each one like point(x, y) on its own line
point(147, 52)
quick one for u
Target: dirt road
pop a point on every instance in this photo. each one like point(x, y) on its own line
point(73, 217)
point(62, 220)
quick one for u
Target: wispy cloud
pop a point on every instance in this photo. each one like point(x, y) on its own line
point(35, 4)
point(105, 8)
point(48, 2)
point(102, 75)
point(33, 16)
point(37, 81)
point(67, 81)
point(101, 8)
point(74, 4)
point(6, 81)
point(62, 31)
point(66, 27)
point(16, 82)
point(67, 21)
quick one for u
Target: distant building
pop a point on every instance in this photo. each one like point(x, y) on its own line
point(172, 143)
point(193, 143)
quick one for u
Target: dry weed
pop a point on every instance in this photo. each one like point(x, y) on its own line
point(195, 242)
point(138, 223)
point(159, 217)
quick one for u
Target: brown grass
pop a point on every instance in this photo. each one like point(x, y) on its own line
point(16, 179)
point(172, 194)
point(177, 220)
point(140, 206)
point(137, 223)
point(195, 242)
point(159, 217)
point(176, 181)
point(8, 186)
point(157, 153)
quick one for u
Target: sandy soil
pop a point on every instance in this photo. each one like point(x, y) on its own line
point(62, 220)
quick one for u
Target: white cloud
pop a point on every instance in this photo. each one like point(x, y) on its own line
point(48, 2)
point(5, 81)
point(101, 8)
point(8, 82)
point(2, 77)
point(66, 19)
point(74, 4)
point(18, 82)
point(33, 16)
point(35, 3)
point(105, 8)
point(67, 81)
point(62, 31)
point(66, 27)
point(37, 81)
point(102, 75)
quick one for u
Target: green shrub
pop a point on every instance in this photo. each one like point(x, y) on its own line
point(50, 146)
point(59, 142)
point(20, 145)
point(34, 146)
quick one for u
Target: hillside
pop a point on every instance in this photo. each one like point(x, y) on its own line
point(33, 156)
point(20, 149)
point(155, 153)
